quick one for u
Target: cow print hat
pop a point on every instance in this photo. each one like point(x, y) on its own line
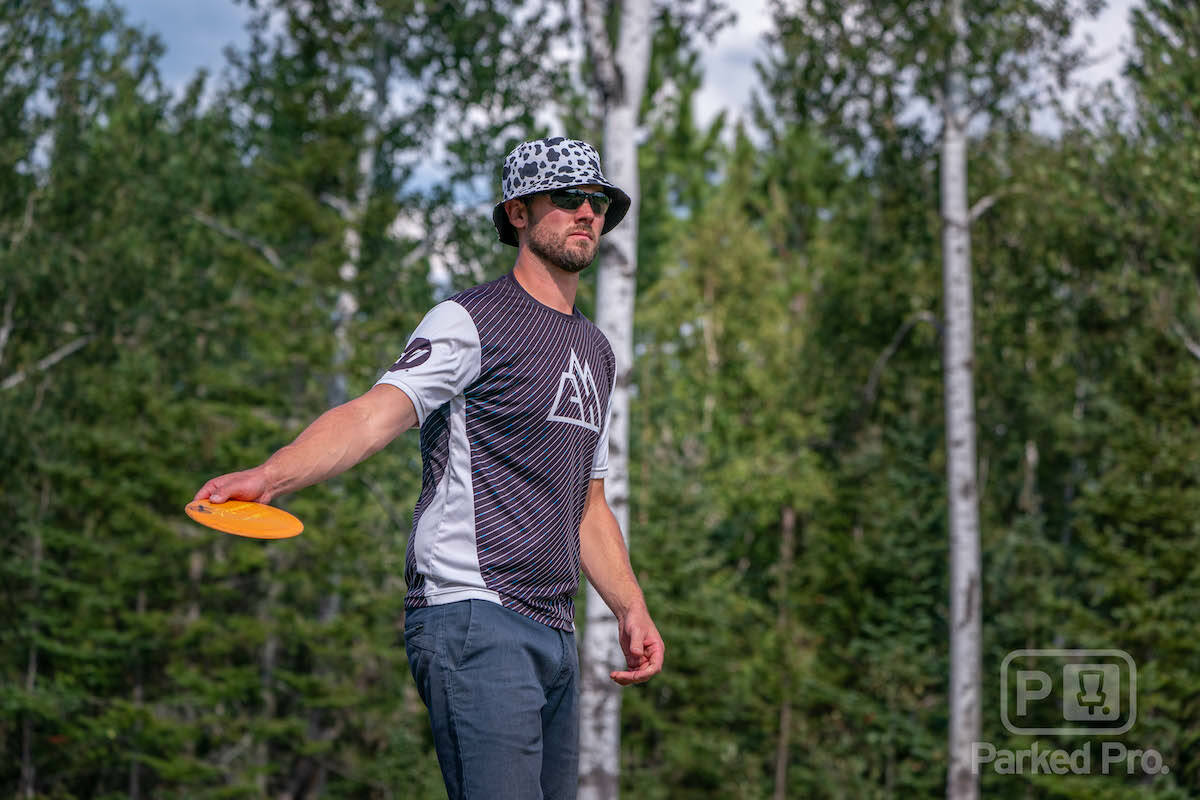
point(546, 164)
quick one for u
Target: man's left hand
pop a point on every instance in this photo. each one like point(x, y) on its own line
point(643, 648)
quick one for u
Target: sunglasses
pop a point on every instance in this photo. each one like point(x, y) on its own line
point(571, 199)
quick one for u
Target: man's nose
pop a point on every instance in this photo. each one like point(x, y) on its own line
point(585, 213)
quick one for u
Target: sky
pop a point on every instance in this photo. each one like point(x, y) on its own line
point(195, 33)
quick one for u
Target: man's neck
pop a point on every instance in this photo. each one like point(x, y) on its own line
point(547, 284)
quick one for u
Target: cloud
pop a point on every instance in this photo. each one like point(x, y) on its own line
point(194, 33)
point(728, 63)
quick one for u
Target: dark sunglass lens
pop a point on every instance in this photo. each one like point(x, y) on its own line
point(569, 199)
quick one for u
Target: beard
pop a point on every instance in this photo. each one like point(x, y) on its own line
point(567, 256)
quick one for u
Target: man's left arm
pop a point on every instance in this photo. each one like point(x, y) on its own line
point(606, 564)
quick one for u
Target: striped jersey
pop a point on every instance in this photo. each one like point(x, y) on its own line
point(513, 401)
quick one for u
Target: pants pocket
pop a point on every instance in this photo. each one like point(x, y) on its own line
point(421, 663)
point(418, 635)
point(462, 631)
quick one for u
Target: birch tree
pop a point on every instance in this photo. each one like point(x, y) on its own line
point(620, 76)
point(863, 66)
point(962, 492)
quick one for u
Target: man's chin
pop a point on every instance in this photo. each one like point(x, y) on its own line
point(582, 262)
point(573, 255)
point(582, 249)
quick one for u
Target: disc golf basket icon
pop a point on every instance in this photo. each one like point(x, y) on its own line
point(1091, 697)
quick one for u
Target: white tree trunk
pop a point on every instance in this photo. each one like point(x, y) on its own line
point(961, 488)
point(621, 74)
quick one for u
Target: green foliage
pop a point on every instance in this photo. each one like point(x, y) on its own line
point(854, 71)
point(170, 269)
point(190, 253)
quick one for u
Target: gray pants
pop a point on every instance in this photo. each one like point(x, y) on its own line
point(502, 692)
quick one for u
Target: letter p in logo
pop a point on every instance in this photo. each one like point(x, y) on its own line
point(1025, 679)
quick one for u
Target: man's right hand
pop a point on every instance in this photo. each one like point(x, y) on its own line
point(249, 484)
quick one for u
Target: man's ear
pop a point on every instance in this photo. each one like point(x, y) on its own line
point(518, 213)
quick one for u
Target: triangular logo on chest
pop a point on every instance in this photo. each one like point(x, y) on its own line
point(578, 401)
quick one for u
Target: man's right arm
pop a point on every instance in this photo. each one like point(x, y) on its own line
point(336, 441)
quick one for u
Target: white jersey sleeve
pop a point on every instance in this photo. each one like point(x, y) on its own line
point(600, 459)
point(440, 361)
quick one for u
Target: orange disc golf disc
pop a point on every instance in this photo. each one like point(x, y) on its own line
point(244, 518)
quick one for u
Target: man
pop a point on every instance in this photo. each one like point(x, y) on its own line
point(510, 386)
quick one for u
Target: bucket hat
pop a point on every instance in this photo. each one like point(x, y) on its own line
point(543, 165)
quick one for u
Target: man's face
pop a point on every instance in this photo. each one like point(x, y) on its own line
point(568, 239)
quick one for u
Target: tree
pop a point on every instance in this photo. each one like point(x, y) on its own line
point(725, 483)
point(962, 490)
point(166, 313)
point(622, 69)
point(859, 70)
point(621, 78)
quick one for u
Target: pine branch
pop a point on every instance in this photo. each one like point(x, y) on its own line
point(47, 362)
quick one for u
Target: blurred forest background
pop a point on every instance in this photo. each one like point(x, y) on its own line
point(187, 279)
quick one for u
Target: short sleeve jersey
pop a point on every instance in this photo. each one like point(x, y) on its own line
point(513, 401)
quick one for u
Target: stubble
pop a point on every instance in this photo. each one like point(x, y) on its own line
point(561, 252)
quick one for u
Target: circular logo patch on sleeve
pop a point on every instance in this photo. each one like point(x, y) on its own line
point(416, 354)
